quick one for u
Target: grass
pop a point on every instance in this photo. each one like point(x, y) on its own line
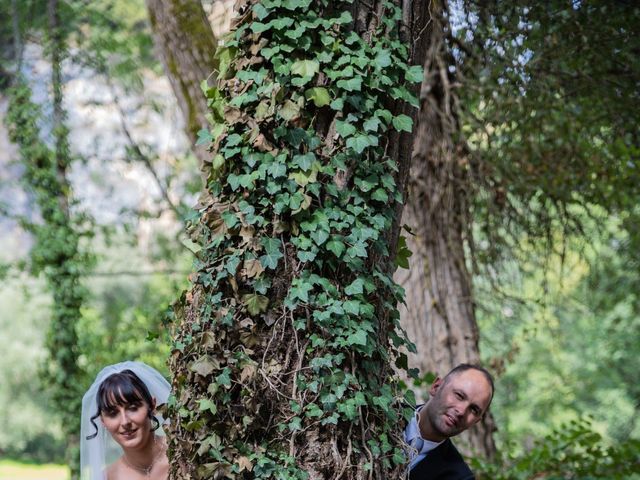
point(12, 470)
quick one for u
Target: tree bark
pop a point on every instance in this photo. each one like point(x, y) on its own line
point(187, 47)
point(439, 316)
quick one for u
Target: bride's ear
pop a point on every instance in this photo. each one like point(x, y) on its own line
point(153, 404)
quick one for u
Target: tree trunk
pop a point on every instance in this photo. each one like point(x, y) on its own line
point(439, 317)
point(284, 342)
point(187, 47)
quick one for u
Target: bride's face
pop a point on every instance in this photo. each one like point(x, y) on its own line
point(129, 424)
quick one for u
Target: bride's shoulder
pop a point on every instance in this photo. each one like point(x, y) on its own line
point(114, 471)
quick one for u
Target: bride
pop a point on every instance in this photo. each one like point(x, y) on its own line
point(121, 438)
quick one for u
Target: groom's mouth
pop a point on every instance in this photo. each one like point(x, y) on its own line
point(450, 421)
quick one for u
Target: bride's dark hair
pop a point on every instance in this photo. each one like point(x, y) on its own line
point(122, 388)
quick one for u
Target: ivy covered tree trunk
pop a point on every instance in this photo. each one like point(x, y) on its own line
point(284, 344)
point(187, 47)
point(439, 316)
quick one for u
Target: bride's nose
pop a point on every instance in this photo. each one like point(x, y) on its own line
point(124, 417)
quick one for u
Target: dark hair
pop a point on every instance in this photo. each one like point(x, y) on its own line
point(119, 389)
point(467, 366)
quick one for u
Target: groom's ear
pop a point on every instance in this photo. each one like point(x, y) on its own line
point(437, 383)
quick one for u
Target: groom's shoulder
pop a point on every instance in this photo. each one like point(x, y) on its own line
point(442, 463)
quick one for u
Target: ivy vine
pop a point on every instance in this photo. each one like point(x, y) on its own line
point(284, 344)
point(57, 254)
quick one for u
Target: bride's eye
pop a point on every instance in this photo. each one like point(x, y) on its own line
point(110, 412)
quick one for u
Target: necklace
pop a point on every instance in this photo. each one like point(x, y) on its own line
point(146, 471)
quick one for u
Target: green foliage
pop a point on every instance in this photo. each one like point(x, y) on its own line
point(577, 321)
point(29, 427)
point(574, 451)
point(56, 254)
point(290, 326)
point(551, 115)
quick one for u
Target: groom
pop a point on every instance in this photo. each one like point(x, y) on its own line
point(456, 402)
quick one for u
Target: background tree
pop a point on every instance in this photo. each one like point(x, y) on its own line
point(187, 46)
point(529, 103)
point(57, 252)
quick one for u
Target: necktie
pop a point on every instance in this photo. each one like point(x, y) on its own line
point(417, 443)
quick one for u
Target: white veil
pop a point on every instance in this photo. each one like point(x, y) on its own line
point(99, 452)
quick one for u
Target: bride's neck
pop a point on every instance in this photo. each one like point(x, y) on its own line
point(145, 454)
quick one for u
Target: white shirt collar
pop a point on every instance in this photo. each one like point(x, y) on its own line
point(414, 439)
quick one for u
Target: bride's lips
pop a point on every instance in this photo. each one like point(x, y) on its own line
point(129, 433)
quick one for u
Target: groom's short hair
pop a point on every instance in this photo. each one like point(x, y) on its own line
point(468, 366)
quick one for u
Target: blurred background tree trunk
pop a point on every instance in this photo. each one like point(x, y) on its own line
point(187, 47)
point(439, 316)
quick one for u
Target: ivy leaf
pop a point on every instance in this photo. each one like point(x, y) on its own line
point(349, 409)
point(385, 114)
point(194, 247)
point(204, 365)
point(272, 252)
point(204, 137)
point(260, 12)
point(218, 162)
point(336, 246)
point(344, 129)
point(352, 307)
point(318, 95)
point(289, 110)
point(295, 424)
point(255, 303)
point(233, 140)
point(294, 4)
point(320, 236)
point(357, 250)
point(360, 142)
point(351, 85)
point(224, 378)
point(383, 59)
point(355, 288)
point(306, 256)
point(259, 27)
point(296, 32)
point(281, 23)
point(372, 124)
point(337, 104)
point(277, 169)
point(206, 404)
point(414, 74)
point(366, 184)
point(314, 411)
point(380, 195)
point(304, 161)
point(403, 253)
point(230, 219)
point(305, 68)
point(345, 17)
point(303, 178)
point(300, 289)
point(357, 338)
point(402, 123)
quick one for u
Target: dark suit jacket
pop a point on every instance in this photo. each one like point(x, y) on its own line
point(442, 463)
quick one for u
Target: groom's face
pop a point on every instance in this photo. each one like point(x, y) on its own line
point(455, 405)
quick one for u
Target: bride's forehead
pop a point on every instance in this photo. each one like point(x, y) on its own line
point(118, 395)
